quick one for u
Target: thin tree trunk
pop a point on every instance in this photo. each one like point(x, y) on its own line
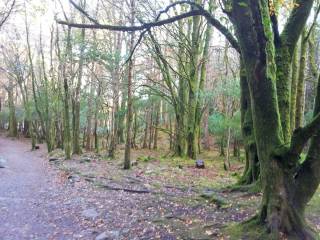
point(156, 127)
point(127, 154)
point(226, 164)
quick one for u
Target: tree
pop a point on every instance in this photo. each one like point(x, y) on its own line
point(268, 56)
point(287, 184)
point(76, 95)
point(7, 7)
point(127, 162)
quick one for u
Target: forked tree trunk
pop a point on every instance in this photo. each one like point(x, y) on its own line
point(282, 209)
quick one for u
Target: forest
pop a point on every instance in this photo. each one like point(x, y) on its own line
point(145, 119)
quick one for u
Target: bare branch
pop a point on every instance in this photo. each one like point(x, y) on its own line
point(7, 14)
point(313, 23)
point(81, 10)
point(198, 11)
point(132, 28)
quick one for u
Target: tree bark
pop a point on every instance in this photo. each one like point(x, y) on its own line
point(281, 211)
point(300, 98)
point(251, 171)
point(127, 153)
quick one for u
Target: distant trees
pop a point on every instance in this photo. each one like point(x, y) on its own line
point(266, 57)
point(6, 9)
point(133, 95)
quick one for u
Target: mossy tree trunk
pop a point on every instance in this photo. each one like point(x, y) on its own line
point(283, 178)
point(76, 100)
point(65, 60)
point(251, 172)
point(193, 83)
point(294, 82)
point(300, 97)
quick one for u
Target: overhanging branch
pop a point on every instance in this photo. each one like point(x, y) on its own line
point(198, 11)
point(132, 28)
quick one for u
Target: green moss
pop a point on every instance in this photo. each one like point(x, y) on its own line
point(313, 209)
point(145, 158)
point(248, 230)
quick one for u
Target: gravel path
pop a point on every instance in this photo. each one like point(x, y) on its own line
point(27, 195)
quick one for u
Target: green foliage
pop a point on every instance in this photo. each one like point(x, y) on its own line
point(4, 115)
point(146, 158)
point(19, 112)
point(219, 123)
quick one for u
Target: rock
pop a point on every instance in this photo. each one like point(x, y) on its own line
point(2, 163)
point(199, 164)
point(90, 213)
point(108, 235)
point(37, 147)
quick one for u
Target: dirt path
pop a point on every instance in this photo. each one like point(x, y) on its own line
point(28, 194)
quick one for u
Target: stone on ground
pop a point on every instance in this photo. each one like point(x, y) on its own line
point(90, 213)
point(108, 235)
point(2, 163)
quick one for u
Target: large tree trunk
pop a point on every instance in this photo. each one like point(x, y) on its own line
point(194, 81)
point(251, 171)
point(281, 210)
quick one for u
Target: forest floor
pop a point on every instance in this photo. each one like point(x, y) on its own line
point(91, 197)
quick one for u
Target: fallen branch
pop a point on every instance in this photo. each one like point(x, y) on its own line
point(125, 189)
